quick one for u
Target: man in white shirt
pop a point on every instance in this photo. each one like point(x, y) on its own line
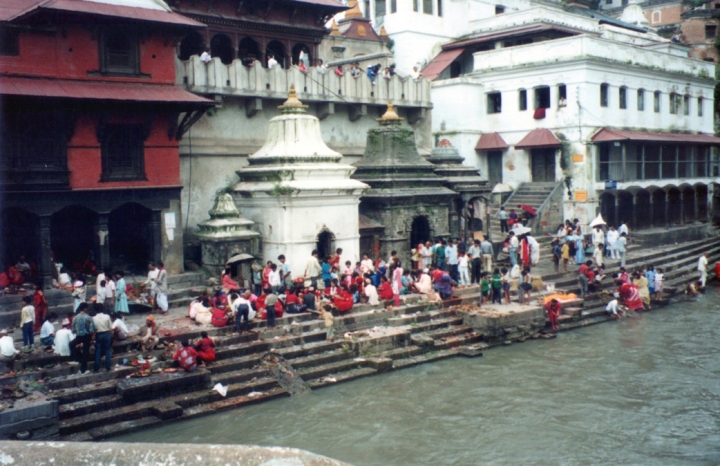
point(451, 258)
point(611, 237)
point(103, 340)
point(274, 279)
point(8, 353)
point(598, 237)
point(63, 337)
point(151, 276)
point(623, 229)
point(703, 268)
point(271, 61)
point(313, 269)
point(415, 73)
point(47, 331)
point(161, 288)
point(242, 310)
point(321, 68)
point(513, 247)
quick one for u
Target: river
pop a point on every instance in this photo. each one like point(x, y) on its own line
point(645, 390)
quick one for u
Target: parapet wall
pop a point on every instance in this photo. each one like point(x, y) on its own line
point(237, 80)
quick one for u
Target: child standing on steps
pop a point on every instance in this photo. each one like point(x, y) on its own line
point(496, 282)
point(28, 320)
point(329, 322)
point(484, 288)
point(506, 284)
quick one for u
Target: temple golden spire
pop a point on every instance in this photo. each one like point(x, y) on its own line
point(334, 31)
point(293, 104)
point(390, 116)
point(383, 33)
point(354, 11)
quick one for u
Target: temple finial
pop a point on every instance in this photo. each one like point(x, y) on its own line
point(293, 104)
point(390, 116)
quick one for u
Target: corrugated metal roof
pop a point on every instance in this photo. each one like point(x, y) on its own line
point(541, 138)
point(330, 3)
point(491, 141)
point(438, 64)
point(512, 32)
point(93, 8)
point(612, 135)
point(108, 91)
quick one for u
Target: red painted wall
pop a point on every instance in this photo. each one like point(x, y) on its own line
point(77, 53)
point(162, 160)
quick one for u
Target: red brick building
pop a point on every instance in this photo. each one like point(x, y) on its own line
point(90, 164)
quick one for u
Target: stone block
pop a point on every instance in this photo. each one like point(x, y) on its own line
point(34, 406)
point(8, 431)
point(380, 364)
point(167, 410)
point(160, 385)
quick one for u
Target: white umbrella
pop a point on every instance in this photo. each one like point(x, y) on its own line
point(597, 222)
point(522, 230)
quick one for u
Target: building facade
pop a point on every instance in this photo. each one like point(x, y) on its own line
point(247, 97)
point(90, 160)
point(620, 118)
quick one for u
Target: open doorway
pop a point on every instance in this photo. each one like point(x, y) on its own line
point(73, 238)
point(324, 244)
point(130, 237)
point(420, 232)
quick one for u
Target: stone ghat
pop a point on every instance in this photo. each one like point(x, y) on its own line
point(368, 341)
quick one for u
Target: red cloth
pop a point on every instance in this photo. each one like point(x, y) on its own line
point(205, 350)
point(334, 261)
point(631, 296)
point(343, 301)
point(385, 291)
point(16, 278)
point(525, 252)
point(331, 292)
point(4, 280)
point(41, 308)
point(187, 358)
point(539, 113)
point(717, 270)
point(360, 283)
point(583, 270)
point(219, 317)
point(291, 298)
point(437, 273)
point(266, 277)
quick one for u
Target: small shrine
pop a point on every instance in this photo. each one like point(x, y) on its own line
point(469, 208)
point(299, 192)
point(227, 238)
point(406, 196)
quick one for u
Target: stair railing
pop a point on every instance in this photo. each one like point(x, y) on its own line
point(536, 222)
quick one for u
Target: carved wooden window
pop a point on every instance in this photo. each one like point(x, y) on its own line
point(119, 53)
point(123, 152)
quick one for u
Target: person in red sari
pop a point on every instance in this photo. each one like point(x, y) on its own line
point(334, 260)
point(14, 275)
point(385, 291)
point(41, 307)
point(219, 317)
point(553, 308)
point(266, 275)
point(630, 295)
point(227, 282)
point(186, 356)
point(343, 300)
point(205, 348)
point(525, 248)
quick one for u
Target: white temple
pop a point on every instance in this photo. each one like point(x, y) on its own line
point(299, 193)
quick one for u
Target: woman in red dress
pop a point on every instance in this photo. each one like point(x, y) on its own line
point(525, 252)
point(266, 275)
point(553, 310)
point(630, 295)
point(343, 300)
point(205, 348)
point(186, 356)
point(41, 307)
point(385, 291)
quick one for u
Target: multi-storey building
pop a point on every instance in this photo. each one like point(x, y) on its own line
point(90, 162)
point(618, 118)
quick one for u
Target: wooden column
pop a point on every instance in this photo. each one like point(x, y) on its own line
point(155, 228)
point(46, 251)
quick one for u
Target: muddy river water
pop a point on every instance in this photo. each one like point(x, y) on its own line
point(645, 390)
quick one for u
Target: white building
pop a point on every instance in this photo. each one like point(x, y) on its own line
point(584, 101)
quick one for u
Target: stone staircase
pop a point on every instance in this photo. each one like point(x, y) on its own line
point(96, 406)
point(532, 194)
point(181, 291)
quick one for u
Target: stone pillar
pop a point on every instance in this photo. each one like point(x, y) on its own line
point(46, 251)
point(155, 228)
point(103, 233)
